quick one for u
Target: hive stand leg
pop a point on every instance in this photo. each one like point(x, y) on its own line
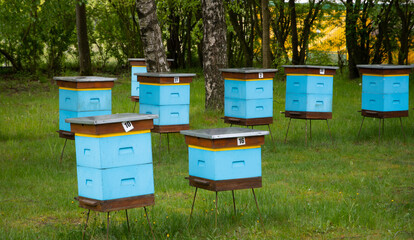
point(363, 117)
point(402, 129)
point(260, 215)
point(126, 214)
point(270, 131)
point(383, 126)
point(86, 224)
point(168, 142)
point(329, 131)
point(290, 119)
point(135, 103)
point(234, 203)
point(192, 207)
point(159, 149)
point(216, 208)
point(379, 131)
point(149, 223)
point(310, 128)
point(306, 131)
point(107, 226)
point(231, 124)
point(63, 150)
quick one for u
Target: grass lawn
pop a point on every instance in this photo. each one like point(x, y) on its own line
point(354, 188)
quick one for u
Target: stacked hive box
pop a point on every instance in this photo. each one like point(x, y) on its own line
point(168, 96)
point(225, 158)
point(385, 90)
point(309, 91)
point(248, 96)
point(114, 161)
point(137, 66)
point(83, 97)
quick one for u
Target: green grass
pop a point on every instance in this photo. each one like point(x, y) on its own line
point(354, 188)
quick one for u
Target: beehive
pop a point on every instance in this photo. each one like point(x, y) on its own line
point(309, 91)
point(225, 158)
point(138, 65)
point(248, 95)
point(385, 90)
point(168, 96)
point(114, 161)
point(83, 97)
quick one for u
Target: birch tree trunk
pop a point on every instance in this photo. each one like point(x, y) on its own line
point(214, 52)
point(85, 65)
point(155, 56)
point(267, 60)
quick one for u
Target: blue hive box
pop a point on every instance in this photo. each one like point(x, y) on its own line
point(248, 95)
point(114, 156)
point(168, 114)
point(225, 164)
point(225, 158)
point(248, 108)
point(115, 183)
point(168, 96)
point(138, 65)
point(385, 89)
point(83, 97)
point(309, 91)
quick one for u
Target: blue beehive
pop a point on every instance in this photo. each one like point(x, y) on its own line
point(168, 96)
point(248, 93)
point(385, 88)
point(83, 97)
point(309, 89)
point(225, 153)
point(113, 161)
point(138, 65)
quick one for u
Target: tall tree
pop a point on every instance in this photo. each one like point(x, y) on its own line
point(151, 36)
point(281, 29)
point(214, 52)
point(357, 30)
point(85, 65)
point(300, 43)
point(267, 59)
point(405, 10)
point(383, 22)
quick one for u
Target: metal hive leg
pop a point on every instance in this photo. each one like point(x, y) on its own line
point(149, 223)
point(234, 203)
point(402, 129)
point(126, 214)
point(329, 131)
point(290, 119)
point(260, 215)
point(86, 224)
point(192, 207)
point(63, 150)
point(363, 118)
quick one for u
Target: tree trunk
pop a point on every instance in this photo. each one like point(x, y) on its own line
point(294, 32)
point(351, 38)
point(151, 36)
point(407, 25)
point(267, 61)
point(85, 66)
point(214, 52)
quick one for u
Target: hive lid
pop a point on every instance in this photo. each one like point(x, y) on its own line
point(85, 79)
point(219, 133)
point(165, 74)
point(309, 66)
point(135, 59)
point(113, 118)
point(385, 66)
point(143, 59)
point(248, 70)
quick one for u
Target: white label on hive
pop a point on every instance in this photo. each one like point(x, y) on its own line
point(241, 141)
point(176, 79)
point(322, 71)
point(127, 126)
point(260, 75)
